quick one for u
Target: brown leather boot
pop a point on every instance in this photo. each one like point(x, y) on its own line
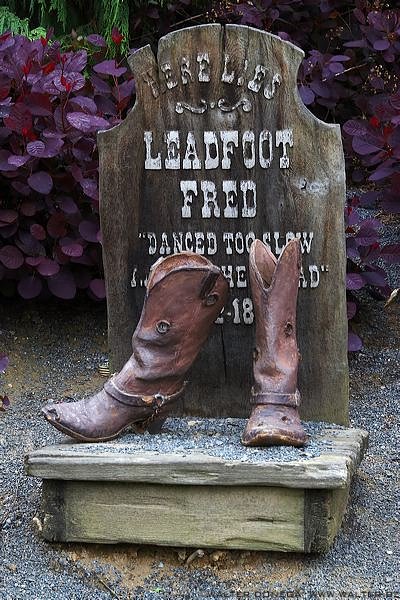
point(185, 294)
point(275, 419)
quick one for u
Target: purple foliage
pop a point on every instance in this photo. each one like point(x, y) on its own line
point(363, 252)
point(52, 104)
point(350, 73)
point(354, 342)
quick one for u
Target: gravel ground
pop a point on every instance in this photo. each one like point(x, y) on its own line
point(55, 353)
point(214, 437)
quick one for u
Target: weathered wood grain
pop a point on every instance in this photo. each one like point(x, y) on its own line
point(217, 517)
point(333, 469)
point(306, 197)
point(53, 510)
point(323, 515)
point(255, 518)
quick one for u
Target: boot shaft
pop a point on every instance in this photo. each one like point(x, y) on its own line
point(274, 285)
point(185, 294)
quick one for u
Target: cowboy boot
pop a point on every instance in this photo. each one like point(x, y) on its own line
point(185, 294)
point(275, 418)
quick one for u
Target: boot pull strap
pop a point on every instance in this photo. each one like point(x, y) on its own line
point(292, 400)
point(156, 400)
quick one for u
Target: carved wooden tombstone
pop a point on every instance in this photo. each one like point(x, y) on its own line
point(218, 150)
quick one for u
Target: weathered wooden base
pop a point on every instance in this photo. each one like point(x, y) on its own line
point(195, 499)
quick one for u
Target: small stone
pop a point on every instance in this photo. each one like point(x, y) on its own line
point(182, 555)
point(38, 524)
point(217, 555)
point(12, 567)
point(389, 551)
point(199, 553)
point(160, 565)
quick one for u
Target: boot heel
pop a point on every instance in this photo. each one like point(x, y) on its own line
point(156, 425)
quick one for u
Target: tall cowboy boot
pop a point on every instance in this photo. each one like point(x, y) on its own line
point(274, 284)
point(185, 294)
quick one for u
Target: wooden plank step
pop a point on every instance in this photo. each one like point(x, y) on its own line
point(121, 460)
point(205, 496)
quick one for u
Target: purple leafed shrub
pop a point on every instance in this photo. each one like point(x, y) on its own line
point(363, 252)
point(52, 103)
point(376, 143)
point(350, 75)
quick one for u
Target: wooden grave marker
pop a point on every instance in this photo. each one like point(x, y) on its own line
point(218, 150)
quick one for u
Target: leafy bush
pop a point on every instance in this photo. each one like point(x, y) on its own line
point(52, 103)
point(363, 253)
point(139, 21)
point(350, 74)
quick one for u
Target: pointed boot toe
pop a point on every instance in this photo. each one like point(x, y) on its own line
point(95, 419)
point(61, 415)
point(71, 418)
point(53, 413)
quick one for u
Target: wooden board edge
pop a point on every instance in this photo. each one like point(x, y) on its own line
point(324, 473)
point(59, 462)
point(323, 515)
point(324, 510)
point(53, 510)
